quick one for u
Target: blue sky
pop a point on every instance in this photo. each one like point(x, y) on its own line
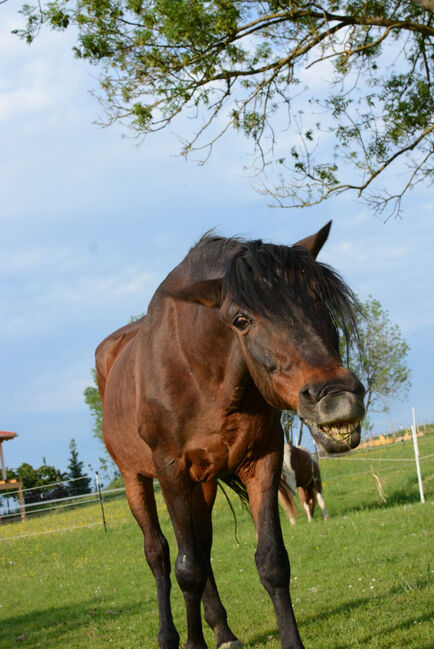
point(91, 223)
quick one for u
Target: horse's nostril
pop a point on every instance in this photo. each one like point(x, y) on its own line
point(308, 393)
point(311, 394)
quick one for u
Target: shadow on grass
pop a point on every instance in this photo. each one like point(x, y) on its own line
point(54, 626)
point(407, 625)
point(348, 608)
point(51, 627)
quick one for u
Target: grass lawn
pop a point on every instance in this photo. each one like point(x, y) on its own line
point(360, 580)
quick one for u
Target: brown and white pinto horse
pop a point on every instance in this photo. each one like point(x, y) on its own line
point(192, 393)
point(300, 471)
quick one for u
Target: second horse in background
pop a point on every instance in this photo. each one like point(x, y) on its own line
point(300, 472)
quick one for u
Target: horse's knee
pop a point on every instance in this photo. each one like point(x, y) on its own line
point(273, 567)
point(191, 572)
point(157, 554)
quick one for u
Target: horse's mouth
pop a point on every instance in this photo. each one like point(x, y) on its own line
point(340, 431)
point(338, 437)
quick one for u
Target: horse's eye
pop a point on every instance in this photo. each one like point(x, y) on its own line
point(241, 322)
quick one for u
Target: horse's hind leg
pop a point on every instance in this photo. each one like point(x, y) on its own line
point(215, 613)
point(305, 504)
point(141, 499)
point(321, 503)
point(311, 499)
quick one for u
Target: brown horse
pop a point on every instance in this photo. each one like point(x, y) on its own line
point(300, 472)
point(192, 393)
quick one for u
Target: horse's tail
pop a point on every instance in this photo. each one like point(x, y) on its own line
point(239, 487)
point(234, 483)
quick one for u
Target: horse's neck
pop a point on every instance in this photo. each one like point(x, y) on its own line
point(197, 331)
point(197, 344)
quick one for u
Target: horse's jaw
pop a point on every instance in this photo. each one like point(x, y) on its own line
point(338, 438)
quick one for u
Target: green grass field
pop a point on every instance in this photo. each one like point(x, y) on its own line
point(360, 580)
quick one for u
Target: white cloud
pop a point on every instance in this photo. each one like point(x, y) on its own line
point(49, 305)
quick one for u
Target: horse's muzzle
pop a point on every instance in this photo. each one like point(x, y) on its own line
point(334, 420)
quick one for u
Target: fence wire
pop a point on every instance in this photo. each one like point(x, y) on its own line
point(62, 505)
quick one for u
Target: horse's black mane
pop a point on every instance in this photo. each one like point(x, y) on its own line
point(274, 279)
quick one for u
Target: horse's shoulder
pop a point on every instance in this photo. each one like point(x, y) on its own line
point(109, 349)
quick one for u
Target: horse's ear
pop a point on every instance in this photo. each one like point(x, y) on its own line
point(208, 293)
point(315, 242)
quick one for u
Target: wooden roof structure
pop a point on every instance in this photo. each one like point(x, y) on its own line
point(5, 435)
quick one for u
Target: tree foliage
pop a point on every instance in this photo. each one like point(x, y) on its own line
point(247, 65)
point(33, 479)
point(79, 482)
point(292, 427)
point(287, 420)
point(43, 475)
point(93, 400)
point(380, 362)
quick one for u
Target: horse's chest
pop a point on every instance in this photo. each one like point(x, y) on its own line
point(222, 451)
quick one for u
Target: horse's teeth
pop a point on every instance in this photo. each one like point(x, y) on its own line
point(342, 431)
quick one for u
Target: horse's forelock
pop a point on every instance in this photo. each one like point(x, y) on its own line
point(274, 280)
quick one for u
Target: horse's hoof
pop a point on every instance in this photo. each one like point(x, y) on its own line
point(232, 644)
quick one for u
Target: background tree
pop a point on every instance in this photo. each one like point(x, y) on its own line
point(247, 65)
point(79, 483)
point(292, 427)
point(381, 361)
point(287, 420)
point(93, 400)
point(35, 478)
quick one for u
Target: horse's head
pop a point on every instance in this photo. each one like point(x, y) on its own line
point(285, 307)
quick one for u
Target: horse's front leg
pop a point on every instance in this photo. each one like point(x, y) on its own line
point(192, 565)
point(262, 481)
point(215, 613)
